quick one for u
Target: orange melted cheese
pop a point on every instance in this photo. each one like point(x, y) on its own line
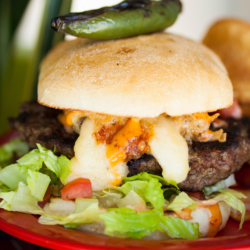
point(116, 150)
point(215, 219)
point(62, 119)
point(206, 117)
point(68, 118)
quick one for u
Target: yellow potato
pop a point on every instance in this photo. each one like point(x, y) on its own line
point(230, 39)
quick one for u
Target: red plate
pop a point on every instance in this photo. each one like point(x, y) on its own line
point(26, 227)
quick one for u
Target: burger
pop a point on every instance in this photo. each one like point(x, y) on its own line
point(128, 140)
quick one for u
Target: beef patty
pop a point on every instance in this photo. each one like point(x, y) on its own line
point(39, 124)
point(209, 162)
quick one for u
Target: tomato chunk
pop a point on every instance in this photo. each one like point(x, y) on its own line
point(78, 188)
point(234, 111)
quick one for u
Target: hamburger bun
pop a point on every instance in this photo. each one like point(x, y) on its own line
point(142, 76)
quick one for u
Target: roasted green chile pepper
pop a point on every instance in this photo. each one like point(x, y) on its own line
point(128, 18)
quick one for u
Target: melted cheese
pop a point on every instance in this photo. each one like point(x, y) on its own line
point(170, 150)
point(116, 151)
point(91, 162)
point(68, 117)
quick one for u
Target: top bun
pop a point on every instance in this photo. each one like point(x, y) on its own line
point(230, 39)
point(142, 76)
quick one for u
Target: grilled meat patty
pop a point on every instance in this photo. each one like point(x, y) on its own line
point(39, 124)
point(209, 162)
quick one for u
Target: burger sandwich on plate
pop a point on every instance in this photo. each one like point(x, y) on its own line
point(129, 142)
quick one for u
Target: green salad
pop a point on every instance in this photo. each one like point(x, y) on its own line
point(135, 209)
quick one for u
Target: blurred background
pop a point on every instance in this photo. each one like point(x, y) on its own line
point(26, 36)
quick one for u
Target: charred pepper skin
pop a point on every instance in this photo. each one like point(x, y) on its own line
point(126, 19)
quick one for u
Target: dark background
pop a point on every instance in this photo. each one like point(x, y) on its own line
point(8, 242)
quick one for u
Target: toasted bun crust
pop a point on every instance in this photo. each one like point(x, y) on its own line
point(142, 76)
point(230, 39)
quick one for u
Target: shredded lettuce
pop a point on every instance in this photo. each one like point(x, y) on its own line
point(178, 228)
point(12, 175)
point(20, 201)
point(38, 184)
point(108, 198)
point(231, 197)
point(24, 201)
point(7, 199)
point(22, 185)
point(12, 148)
point(154, 194)
point(4, 188)
point(219, 185)
point(182, 201)
point(87, 211)
point(144, 176)
point(35, 159)
point(132, 199)
point(135, 209)
point(125, 222)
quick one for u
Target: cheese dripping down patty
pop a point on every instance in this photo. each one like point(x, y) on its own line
point(104, 163)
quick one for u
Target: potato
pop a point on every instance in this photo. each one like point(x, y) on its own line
point(230, 39)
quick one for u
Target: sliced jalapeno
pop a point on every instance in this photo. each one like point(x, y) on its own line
point(128, 18)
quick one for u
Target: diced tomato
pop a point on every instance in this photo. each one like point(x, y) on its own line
point(242, 177)
point(198, 195)
point(78, 188)
point(234, 111)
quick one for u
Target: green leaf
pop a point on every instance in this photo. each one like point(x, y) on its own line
point(169, 191)
point(231, 197)
point(108, 198)
point(88, 215)
point(38, 184)
point(132, 199)
point(154, 194)
point(125, 222)
point(12, 175)
point(35, 159)
point(12, 148)
point(64, 170)
point(7, 200)
point(178, 228)
point(24, 201)
point(83, 203)
point(182, 201)
point(219, 185)
point(20, 201)
point(138, 186)
point(144, 176)
point(4, 188)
